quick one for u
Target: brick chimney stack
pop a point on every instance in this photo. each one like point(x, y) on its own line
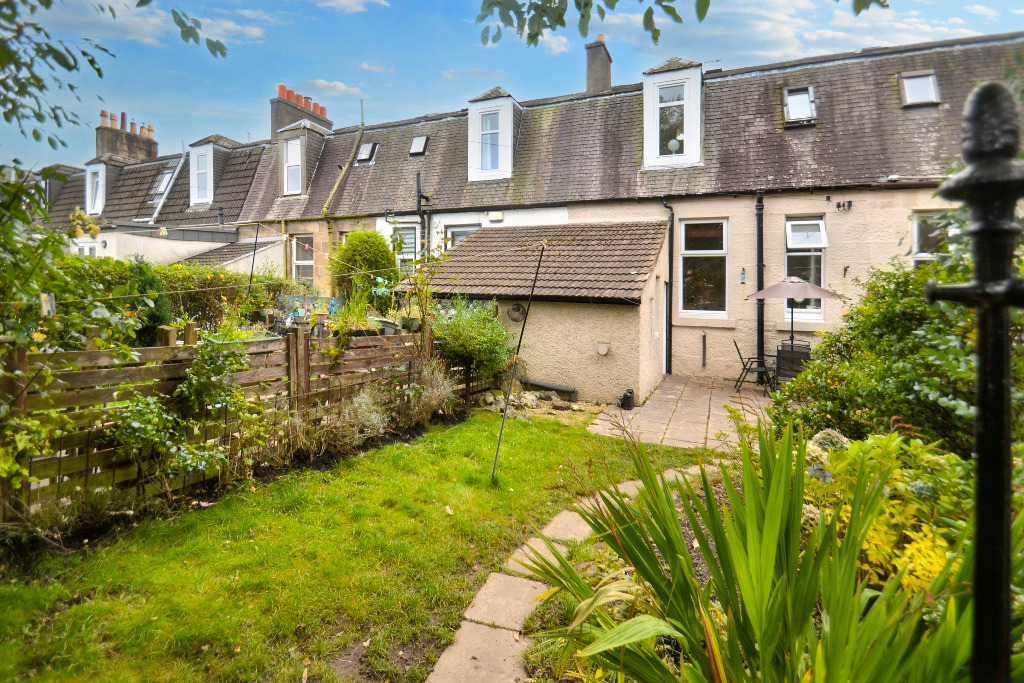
point(599, 66)
point(130, 143)
point(289, 107)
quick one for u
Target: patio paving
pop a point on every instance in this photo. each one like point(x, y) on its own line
point(685, 411)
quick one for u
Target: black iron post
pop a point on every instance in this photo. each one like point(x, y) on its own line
point(990, 186)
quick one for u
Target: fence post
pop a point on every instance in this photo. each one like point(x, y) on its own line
point(291, 346)
point(166, 335)
point(302, 363)
point(13, 391)
point(191, 334)
point(91, 334)
point(990, 185)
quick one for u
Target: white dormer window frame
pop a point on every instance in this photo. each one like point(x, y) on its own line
point(485, 136)
point(292, 176)
point(668, 95)
point(200, 175)
point(95, 189)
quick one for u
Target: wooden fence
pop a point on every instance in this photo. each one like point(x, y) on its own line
point(293, 373)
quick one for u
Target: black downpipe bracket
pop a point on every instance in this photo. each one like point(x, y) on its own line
point(668, 302)
point(515, 361)
point(759, 213)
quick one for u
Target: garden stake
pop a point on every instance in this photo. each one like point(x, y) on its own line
point(990, 185)
point(515, 359)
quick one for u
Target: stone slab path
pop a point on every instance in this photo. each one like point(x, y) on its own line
point(686, 412)
point(489, 645)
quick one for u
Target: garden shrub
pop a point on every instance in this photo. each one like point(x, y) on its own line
point(433, 390)
point(365, 261)
point(470, 333)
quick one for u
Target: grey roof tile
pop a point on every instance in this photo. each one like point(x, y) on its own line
point(230, 252)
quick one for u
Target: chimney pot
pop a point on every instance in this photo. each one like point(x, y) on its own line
point(307, 102)
point(134, 129)
point(600, 37)
point(599, 66)
point(113, 120)
point(282, 91)
point(289, 95)
point(103, 118)
point(149, 131)
point(323, 111)
point(124, 121)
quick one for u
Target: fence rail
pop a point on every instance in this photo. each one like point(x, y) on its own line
point(294, 373)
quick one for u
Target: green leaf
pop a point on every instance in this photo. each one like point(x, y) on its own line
point(497, 33)
point(638, 628)
point(485, 35)
point(702, 10)
point(216, 48)
point(99, 313)
point(142, 3)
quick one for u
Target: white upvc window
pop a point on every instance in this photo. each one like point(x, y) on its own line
point(456, 233)
point(489, 134)
point(87, 248)
point(799, 105)
point(302, 258)
point(202, 177)
point(919, 87)
point(490, 152)
point(406, 238)
point(293, 166)
point(926, 237)
point(95, 191)
point(704, 255)
point(672, 118)
point(806, 241)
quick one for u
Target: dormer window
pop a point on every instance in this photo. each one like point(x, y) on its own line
point(293, 166)
point(202, 177)
point(200, 173)
point(672, 115)
point(799, 106)
point(493, 118)
point(367, 150)
point(418, 146)
point(95, 193)
point(919, 87)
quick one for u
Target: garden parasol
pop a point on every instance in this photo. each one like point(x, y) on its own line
point(794, 287)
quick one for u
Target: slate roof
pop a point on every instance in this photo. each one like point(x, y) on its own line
point(134, 194)
point(671, 64)
point(71, 197)
point(230, 252)
point(229, 191)
point(587, 262)
point(494, 92)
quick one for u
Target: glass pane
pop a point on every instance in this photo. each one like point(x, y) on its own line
point(704, 283)
point(808, 267)
point(419, 143)
point(165, 180)
point(488, 122)
point(673, 93)
point(303, 248)
point(703, 237)
point(920, 88)
point(457, 236)
point(929, 237)
point(365, 152)
point(799, 104)
point(489, 152)
point(200, 163)
point(670, 123)
point(805, 235)
point(304, 272)
point(292, 152)
point(408, 236)
point(294, 175)
point(200, 185)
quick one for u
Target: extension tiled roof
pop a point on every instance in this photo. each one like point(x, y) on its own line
point(230, 252)
point(607, 263)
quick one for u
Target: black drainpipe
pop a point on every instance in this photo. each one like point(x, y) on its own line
point(668, 302)
point(759, 212)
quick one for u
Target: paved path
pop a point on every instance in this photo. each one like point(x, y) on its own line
point(686, 412)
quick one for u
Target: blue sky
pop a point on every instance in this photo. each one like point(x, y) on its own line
point(405, 58)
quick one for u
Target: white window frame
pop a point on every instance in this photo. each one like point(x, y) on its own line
point(202, 177)
point(504, 108)
point(806, 314)
point(490, 140)
point(367, 153)
point(692, 80)
point(910, 75)
point(418, 146)
point(95, 190)
point(812, 105)
point(200, 182)
point(292, 160)
point(401, 257)
point(90, 249)
point(298, 251)
point(684, 252)
point(451, 230)
point(163, 183)
point(917, 256)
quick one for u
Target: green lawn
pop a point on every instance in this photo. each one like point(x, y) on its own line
point(301, 572)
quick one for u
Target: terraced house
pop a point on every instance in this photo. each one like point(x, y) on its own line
point(661, 203)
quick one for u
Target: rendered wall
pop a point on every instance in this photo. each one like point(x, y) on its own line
point(154, 249)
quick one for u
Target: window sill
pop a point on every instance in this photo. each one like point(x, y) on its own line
point(686, 321)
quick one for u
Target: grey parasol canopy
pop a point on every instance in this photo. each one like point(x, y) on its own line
point(794, 287)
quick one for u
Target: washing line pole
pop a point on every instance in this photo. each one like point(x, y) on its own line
point(252, 268)
point(515, 360)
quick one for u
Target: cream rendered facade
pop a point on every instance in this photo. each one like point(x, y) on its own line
point(159, 250)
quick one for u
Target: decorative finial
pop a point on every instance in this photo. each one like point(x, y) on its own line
point(991, 128)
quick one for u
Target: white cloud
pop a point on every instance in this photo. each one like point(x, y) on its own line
point(1017, 11)
point(334, 88)
point(350, 6)
point(81, 18)
point(482, 74)
point(957, 21)
point(226, 28)
point(377, 68)
point(554, 44)
point(253, 14)
point(982, 10)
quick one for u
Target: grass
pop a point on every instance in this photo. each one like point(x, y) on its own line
point(299, 574)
